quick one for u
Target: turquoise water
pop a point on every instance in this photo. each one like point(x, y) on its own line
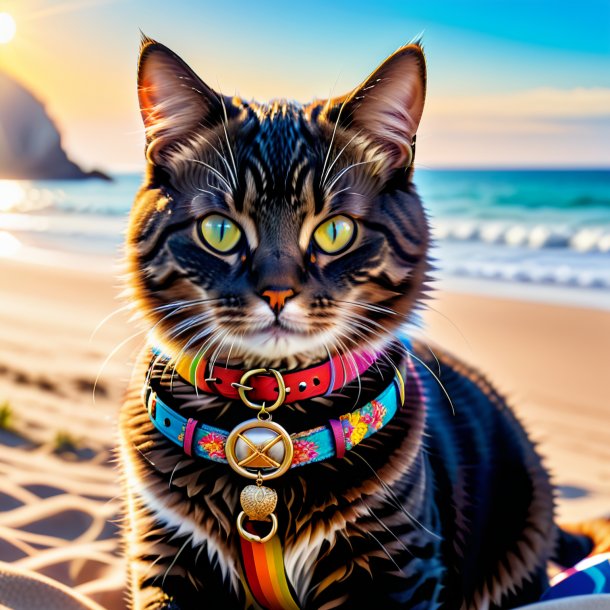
point(541, 227)
point(493, 194)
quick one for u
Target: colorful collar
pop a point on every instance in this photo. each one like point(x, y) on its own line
point(268, 386)
point(198, 439)
point(262, 450)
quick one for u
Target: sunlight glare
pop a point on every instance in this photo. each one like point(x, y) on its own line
point(11, 194)
point(8, 28)
point(9, 244)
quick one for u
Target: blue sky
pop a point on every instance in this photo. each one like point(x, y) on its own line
point(510, 82)
point(485, 44)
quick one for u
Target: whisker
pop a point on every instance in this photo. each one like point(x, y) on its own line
point(175, 361)
point(385, 527)
point(225, 124)
point(108, 317)
point(218, 350)
point(382, 546)
point(353, 315)
point(223, 159)
point(438, 364)
point(109, 357)
point(457, 328)
point(355, 369)
point(440, 383)
point(172, 335)
point(231, 348)
point(335, 193)
point(370, 306)
point(174, 470)
point(214, 171)
point(193, 340)
point(362, 323)
point(332, 139)
point(395, 500)
point(206, 192)
point(325, 176)
point(345, 170)
point(203, 350)
point(173, 562)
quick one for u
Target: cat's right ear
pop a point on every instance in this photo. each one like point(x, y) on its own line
point(174, 101)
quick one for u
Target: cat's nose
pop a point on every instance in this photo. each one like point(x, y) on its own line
point(277, 297)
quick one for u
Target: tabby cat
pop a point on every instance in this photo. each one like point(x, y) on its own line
point(283, 235)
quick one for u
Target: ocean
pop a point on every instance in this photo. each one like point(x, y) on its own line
point(509, 230)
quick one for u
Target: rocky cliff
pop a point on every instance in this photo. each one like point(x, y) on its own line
point(30, 143)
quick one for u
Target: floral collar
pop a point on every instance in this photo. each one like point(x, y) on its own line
point(260, 449)
point(198, 439)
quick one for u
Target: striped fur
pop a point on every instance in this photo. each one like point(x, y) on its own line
point(433, 511)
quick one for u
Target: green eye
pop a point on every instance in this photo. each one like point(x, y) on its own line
point(335, 234)
point(220, 233)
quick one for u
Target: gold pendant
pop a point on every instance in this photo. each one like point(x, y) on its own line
point(258, 501)
point(259, 448)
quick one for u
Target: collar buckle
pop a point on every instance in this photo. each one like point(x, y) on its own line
point(242, 387)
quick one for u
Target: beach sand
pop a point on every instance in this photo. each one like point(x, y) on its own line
point(553, 364)
point(59, 509)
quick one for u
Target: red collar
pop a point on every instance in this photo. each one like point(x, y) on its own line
point(267, 386)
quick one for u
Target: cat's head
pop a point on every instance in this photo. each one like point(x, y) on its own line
point(277, 232)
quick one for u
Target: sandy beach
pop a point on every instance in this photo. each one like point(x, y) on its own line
point(59, 502)
point(59, 496)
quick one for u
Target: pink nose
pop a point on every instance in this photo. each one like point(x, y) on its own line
point(277, 298)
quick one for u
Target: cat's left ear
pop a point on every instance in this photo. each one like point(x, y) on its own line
point(387, 107)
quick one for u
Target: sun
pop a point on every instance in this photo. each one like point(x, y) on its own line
point(8, 27)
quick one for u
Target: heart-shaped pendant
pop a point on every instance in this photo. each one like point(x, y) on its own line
point(258, 501)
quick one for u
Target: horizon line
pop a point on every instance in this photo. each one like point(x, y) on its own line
point(491, 168)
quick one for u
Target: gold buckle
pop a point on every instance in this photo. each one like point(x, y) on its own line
point(242, 388)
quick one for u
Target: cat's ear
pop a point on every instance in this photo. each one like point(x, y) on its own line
point(174, 101)
point(387, 107)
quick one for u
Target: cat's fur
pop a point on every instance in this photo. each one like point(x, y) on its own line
point(437, 510)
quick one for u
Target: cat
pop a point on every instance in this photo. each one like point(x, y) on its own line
point(288, 236)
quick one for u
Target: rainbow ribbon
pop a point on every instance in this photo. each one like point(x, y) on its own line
point(264, 575)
